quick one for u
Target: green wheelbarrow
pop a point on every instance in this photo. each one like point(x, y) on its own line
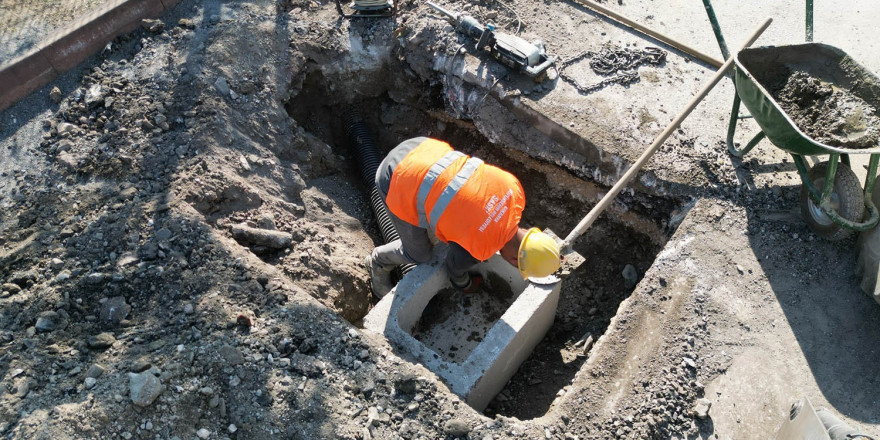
point(833, 202)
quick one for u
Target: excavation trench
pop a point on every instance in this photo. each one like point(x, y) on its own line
point(631, 233)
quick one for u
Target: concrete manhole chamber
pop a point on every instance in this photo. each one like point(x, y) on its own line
point(449, 328)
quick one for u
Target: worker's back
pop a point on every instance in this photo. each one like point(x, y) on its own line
point(468, 202)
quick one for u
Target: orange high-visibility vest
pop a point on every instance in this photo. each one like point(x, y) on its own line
point(460, 198)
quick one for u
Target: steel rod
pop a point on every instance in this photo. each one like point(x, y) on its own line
point(713, 20)
point(809, 21)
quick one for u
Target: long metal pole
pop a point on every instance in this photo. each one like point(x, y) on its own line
point(631, 172)
point(809, 21)
point(650, 32)
point(713, 20)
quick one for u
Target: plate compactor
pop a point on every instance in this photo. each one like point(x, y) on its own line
point(510, 50)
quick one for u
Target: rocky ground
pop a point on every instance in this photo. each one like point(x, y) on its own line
point(183, 230)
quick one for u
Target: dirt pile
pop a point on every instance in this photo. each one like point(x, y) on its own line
point(135, 303)
point(827, 113)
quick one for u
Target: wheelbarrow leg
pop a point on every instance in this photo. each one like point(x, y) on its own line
point(873, 213)
point(731, 129)
point(868, 267)
point(872, 176)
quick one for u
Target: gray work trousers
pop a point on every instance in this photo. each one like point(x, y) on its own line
point(414, 245)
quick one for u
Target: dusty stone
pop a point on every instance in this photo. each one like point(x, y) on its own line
point(222, 86)
point(101, 341)
point(140, 365)
point(230, 354)
point(144, 388)
point(63, 145)
point(457, 427)
point(95, 95)
point(90, 382)
point(115, 310)
point(10, 288)
point(95, 278)
point(55, 95)
point(203, 433)
point(49, 321)
point(405, 384)
point(21, 386)
point(247, 235)
point(64, 128)
point(244, 164)
point(163, 234)
point(63, 275)
point(146, 125)
point(67, 161)
point(149, 251)
point(95, 370)
point(152, 25)
point(630, 276)
point(701, 409)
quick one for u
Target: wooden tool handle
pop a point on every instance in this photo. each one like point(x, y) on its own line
point(631, 172)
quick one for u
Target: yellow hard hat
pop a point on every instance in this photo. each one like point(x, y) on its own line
point(538, 254)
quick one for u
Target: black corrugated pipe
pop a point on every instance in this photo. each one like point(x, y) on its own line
point(368, 162)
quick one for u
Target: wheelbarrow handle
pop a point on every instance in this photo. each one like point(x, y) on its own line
point(594, 213)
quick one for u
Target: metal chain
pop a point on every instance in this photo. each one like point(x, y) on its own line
point(619, 64)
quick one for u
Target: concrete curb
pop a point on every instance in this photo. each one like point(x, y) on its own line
point(507, 344)
point(74, 44)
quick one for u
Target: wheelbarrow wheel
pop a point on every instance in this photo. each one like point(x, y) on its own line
point(847, 199)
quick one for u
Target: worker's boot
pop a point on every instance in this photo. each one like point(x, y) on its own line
point(380, 277)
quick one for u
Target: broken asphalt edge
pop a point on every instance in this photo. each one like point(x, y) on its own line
point(73, 44)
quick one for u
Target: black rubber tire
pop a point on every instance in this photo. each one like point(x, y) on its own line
point(847, 194)
point(868, 267)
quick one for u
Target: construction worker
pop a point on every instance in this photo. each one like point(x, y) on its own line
point(476, 208)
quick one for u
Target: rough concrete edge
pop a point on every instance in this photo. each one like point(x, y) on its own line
point(541, 302)
point(71, 45)
point(478, 378)
point(617, 346)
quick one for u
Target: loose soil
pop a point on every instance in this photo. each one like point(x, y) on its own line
point(129, 307)
point(828, 113)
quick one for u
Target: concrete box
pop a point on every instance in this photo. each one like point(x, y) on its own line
point(505, 346)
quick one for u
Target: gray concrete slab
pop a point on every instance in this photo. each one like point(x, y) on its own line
point(493, 361)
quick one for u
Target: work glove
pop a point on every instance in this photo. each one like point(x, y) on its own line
point(474, 284)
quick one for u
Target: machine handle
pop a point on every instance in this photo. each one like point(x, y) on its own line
point(536, 70)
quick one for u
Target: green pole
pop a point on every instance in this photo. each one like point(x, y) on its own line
point(717, 28)
point(809, 21)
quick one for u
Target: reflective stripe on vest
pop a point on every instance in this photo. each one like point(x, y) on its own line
point(428, 183)
point(452, 189)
